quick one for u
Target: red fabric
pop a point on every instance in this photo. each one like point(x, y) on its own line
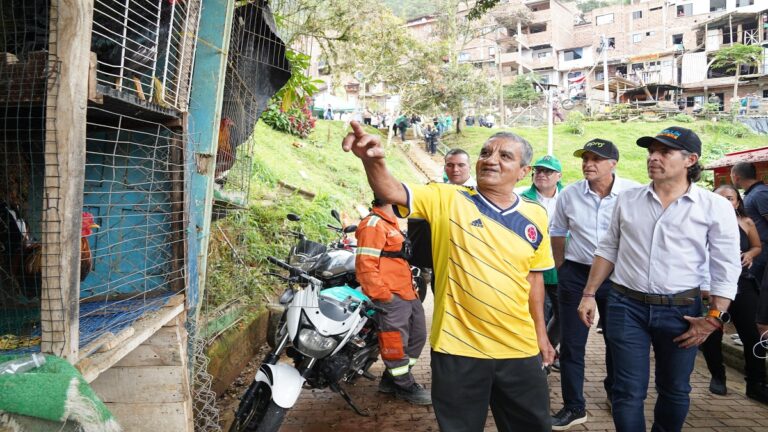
point(391, 345)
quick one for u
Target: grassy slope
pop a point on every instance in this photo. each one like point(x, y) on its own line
point(624, 135)
point(337, 179)
point(319, 166)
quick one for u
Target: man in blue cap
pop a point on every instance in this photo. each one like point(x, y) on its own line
point(546, 176)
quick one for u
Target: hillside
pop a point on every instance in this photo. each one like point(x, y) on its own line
point(409, 9)
point(241, 242)
point(624, 135)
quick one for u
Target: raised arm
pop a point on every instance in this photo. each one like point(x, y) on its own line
point(370, 151)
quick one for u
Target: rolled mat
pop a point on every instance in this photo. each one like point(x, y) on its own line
point(55, 391)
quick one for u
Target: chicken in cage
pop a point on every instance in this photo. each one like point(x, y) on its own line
point(145, 48)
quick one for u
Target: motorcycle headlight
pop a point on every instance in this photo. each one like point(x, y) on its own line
point(314, 344)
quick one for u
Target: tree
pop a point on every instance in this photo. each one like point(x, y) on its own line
point(439, 87)
point(435, 79)
point(522, 91)
point(736, 56)
point(329, 23)
point(376, 47)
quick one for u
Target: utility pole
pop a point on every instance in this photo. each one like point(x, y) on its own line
point(550, 120)
point(502, 121)
point(519, 48)
point(606, 93)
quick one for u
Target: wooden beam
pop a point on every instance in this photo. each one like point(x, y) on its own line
point(153, 417)
point(70, 40)
point(207, 85)
point(137, 384)
point(92, 367)
point(93, 93)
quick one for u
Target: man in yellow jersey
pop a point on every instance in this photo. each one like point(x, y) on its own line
point(490, 247)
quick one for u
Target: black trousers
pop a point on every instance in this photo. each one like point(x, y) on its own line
point(553, 325)
point(516, 390)
point(742, 310)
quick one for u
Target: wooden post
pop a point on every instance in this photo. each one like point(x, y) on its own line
point(207, 85)
point(64, 176)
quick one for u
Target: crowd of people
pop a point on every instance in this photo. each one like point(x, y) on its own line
point(663, 265)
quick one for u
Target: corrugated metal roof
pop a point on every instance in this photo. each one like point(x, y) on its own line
point(742, 12)
point(730, 159)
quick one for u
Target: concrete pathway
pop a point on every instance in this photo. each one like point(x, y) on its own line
point(325, 411)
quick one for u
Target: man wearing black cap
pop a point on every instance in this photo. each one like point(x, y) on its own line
point(583, 210)
point(665, 241)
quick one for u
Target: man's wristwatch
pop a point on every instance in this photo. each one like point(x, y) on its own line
point(722, 316)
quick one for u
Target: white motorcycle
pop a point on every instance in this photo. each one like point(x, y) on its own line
point(326, 332)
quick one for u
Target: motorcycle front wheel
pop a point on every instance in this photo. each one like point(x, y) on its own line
point(260, 413)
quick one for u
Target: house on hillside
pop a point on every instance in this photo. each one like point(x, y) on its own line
point(649, 48)
point(746, 24)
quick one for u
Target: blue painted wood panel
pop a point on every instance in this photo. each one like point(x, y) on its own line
point(128, 190)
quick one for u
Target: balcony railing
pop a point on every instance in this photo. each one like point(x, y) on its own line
point(534, 39)
point(751, 37)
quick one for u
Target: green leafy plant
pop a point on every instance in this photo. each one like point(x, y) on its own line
point(288, 111)
point(683, 118)
point(296, 121)
point(734, 56)
point(575, 123)
point(710, 108)
point(732, 129)
point(301, 85)
point(521, 91)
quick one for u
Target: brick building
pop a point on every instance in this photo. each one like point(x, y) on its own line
point(660, 45)
point(654, 49)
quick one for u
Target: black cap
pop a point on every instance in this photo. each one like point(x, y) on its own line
point(675, 137)
point(603, 148)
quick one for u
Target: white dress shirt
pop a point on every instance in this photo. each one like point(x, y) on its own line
point(547, 202)
point(581, 212)
point(694, 241)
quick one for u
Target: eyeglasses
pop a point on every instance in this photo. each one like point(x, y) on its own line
point(544, 171)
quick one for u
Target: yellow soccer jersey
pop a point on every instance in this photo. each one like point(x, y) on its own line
point(482, 256)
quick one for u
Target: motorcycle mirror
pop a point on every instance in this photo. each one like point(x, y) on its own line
point(350, 229)
point(336, 215)
point(293, 217)
point(286, 297)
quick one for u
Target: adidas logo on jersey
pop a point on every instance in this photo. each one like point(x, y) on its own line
point(477, 223)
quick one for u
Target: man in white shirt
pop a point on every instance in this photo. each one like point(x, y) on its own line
point(584, 210)
point(665, 241)
point(546, 176)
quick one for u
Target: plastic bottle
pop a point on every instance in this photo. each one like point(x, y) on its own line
point(22, 364)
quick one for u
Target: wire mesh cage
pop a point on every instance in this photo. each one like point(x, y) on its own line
point(133, 221)
point(145, 48)
point(256, 69)
point(28, 168)
point(291, 17)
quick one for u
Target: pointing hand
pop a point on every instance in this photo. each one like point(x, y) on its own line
point(365, 146)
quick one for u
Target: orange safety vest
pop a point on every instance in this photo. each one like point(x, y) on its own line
point(380, 276)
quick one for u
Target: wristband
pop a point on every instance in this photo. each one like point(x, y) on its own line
point(587, 295)
point(717, 327)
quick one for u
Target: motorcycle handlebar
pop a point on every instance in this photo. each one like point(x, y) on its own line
point(294, 271)
point(378, 310)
